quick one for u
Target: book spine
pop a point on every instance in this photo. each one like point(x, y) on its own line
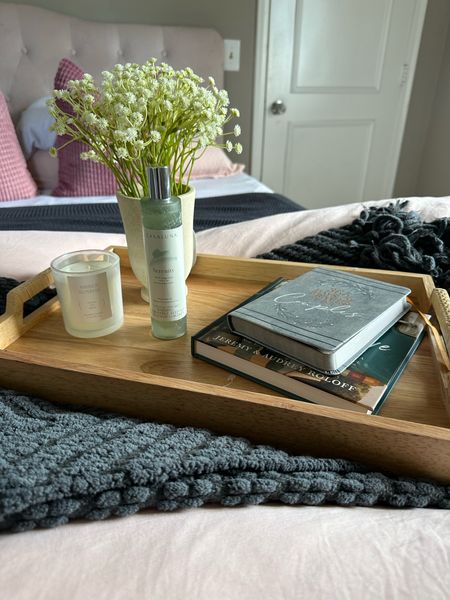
point(267, 288)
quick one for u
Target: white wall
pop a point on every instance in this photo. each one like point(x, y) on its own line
point(422, 166)
point(434, 175)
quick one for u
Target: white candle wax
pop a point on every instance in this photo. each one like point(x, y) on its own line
point(89, 289)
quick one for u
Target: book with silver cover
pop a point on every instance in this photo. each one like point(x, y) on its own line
point(324, 318)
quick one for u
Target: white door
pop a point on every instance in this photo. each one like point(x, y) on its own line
point(342, 70)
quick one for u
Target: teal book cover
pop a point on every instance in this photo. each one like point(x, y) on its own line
point(369, 379)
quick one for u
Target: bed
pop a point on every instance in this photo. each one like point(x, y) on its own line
point(259, 552)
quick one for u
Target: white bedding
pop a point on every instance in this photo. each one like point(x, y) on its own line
point(248, 553)
point(262, 235)
point(240, 183)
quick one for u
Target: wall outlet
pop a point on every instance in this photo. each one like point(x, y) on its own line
point(232, 54)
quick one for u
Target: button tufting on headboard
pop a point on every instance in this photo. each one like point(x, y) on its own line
point(33, 40)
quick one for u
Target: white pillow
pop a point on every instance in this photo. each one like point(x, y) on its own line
point(33, 128)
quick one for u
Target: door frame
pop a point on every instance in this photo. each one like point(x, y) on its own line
point(260, 86)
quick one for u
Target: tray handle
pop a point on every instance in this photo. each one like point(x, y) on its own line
point(12, 323)
point(440, 301)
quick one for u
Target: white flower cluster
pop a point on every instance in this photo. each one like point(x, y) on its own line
point(145, 115)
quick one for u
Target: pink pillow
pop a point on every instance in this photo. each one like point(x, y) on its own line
point(78, 177)
point(215, 163)
point(15, 179)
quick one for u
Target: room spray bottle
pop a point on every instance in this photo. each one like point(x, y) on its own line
point(163, 241)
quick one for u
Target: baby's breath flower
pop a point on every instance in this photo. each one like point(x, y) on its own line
point(229, 146)
point(60, 128)
point(155, 136)
point(60, 94)
point(121, 109)
point(130, 134)
point(119, 135)
point(137, 118)
point(88, 155)
point(102, 124)
point(90, 118)
point(223, 95)
point(238, 148)
point(235, 112)
point(237, 130)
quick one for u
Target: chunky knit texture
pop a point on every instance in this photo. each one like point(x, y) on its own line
point(381, 238)
point(58, 464)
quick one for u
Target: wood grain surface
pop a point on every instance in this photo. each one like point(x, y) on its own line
point(133, 373)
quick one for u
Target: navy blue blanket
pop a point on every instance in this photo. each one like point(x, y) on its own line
point(105, 218)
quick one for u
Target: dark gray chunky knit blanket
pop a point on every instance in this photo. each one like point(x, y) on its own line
point(58, 464)
point(380, 238)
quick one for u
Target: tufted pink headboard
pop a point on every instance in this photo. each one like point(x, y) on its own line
point(33, 40)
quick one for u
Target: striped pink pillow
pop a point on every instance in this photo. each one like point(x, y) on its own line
point(15, 179)
point(78, 177)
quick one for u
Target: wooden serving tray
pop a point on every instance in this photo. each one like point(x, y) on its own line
point(133, 373)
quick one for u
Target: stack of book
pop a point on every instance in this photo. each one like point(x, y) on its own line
point(328, 337)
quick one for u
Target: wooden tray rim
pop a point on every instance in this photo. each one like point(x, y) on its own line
point(425, 448)
point(239, 269)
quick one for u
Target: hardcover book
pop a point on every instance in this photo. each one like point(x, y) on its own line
point(362, 387)
point(325, 318)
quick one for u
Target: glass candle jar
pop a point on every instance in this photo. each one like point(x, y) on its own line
point(90, 292)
